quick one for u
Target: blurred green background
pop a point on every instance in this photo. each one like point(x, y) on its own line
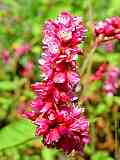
point(21, 23)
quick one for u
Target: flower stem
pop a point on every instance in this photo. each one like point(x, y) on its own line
point(88, 59)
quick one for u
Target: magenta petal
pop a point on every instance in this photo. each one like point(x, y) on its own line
point(65, 34)
point(66, 143)
point(52, 137)
point(59, 78)
point(117, 36)
point(36, 87)
point(31, 115)
point(80, 125)
point(46, 107)
point(50, 27)
point(63, 130)
point(37, 104)
point(64, 97)
point(73, 78)
point(42, 127)
point(65, 19)
point(56, 95)
point(51, 115)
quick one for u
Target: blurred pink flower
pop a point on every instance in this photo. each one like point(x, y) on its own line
point(22, 49)
point(27, 70)
point(5, 56)
point(110, 27)
point(99, 74)
point(109, 46)
point(111, 82)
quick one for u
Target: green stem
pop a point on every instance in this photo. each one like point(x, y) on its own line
point(90, 11)
point(116, 135)
point(88, 59)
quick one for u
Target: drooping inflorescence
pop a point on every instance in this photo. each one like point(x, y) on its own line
point(109, 28)
point(54, 111)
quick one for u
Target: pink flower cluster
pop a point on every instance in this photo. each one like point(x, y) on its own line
point(109, 76)
point(109, 28)
point(54, 111)
point(111, 82)
point(22, 49)
point(98, 75)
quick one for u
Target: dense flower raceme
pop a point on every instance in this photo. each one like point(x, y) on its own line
point(111, 82)
point(55, 111)
point(108, 28)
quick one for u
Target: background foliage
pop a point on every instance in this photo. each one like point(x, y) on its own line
point(21, 22)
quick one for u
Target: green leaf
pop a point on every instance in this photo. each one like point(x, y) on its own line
point(16, 133)
point(23, 61)
point(101, 156)
point(109, 100)
point(7, 86)
point(49, 154)
point(117, 100)
point(113, 58)
point(36, 29)
point(113, 7)
point(12, 85)
point(99, 57)
point(29, 94)
point(88, 149)
point(101, 108)
point(36, 49)
point(5, 102)
point(93, 87)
